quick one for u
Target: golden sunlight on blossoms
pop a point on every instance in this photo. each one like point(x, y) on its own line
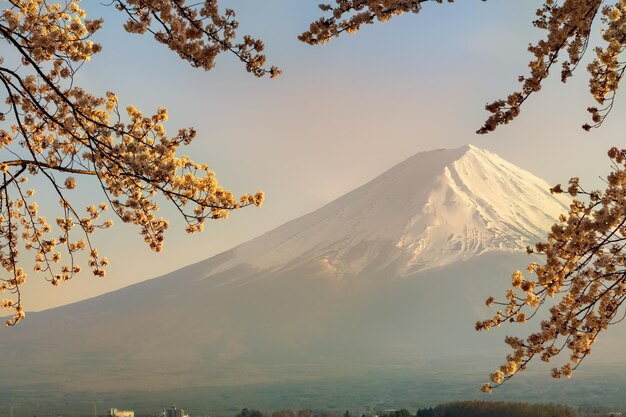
point(60, 132)
point(568, 25)
point(181, 28)
point(584, 271)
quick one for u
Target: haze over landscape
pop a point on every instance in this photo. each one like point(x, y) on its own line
point(391, 276)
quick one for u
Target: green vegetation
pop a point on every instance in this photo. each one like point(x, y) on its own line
point(495, 409)
point(454, 409)
point(400, 413)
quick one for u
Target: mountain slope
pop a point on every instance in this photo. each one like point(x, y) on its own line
point(390, 274)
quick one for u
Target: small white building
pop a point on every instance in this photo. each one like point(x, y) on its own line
point(114, 412)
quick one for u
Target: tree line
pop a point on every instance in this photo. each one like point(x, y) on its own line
point(453, 409)
point(496, 409)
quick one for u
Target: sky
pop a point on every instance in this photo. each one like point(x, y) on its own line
point(340, 115)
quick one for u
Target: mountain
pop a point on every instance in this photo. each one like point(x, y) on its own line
point(392, 274)
point(431, 210)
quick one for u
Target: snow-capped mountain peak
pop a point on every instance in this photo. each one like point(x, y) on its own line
point(433, 209)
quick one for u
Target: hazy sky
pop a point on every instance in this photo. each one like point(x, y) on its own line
point(339, 115)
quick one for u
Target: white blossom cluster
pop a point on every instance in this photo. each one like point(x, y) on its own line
point(349, 15)
point(568, 24)
point(584, 272)
point(197, 32)
point(55, 130)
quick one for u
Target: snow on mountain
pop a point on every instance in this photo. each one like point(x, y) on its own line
point(433, 209)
